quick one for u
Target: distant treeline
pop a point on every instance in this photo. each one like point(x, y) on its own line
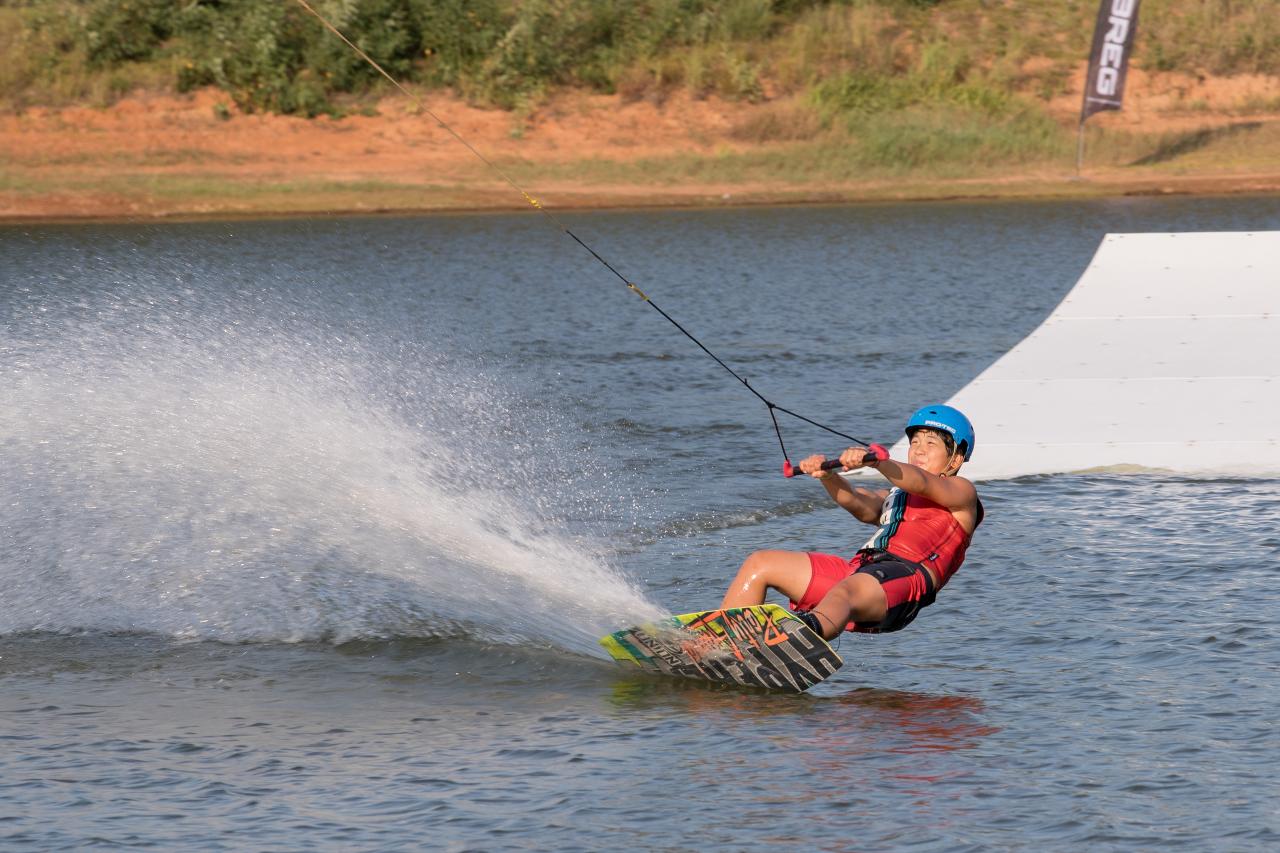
point(848, 58)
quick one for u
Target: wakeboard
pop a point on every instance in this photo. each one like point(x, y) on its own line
point(759, 646)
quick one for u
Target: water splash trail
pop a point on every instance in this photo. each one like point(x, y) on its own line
point(233, 469)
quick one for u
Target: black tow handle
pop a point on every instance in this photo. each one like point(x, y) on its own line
point(875, 451)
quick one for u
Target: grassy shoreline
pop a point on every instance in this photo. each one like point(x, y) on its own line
point(151, 110)
point(157, 157)
point(188, 198)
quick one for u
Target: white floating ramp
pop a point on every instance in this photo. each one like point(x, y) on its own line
point(1165, 355)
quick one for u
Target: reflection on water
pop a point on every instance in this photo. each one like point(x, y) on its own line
point(924, 722)
point(890, 721)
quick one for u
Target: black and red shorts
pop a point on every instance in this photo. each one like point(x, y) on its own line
point(907, 586)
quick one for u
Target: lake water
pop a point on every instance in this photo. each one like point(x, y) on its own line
point(308, 528)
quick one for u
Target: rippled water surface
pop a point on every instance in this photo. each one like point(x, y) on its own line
point(307, 530)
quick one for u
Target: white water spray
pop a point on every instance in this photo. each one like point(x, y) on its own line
point(238, 473)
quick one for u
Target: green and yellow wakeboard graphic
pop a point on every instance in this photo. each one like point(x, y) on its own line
point(760, 646)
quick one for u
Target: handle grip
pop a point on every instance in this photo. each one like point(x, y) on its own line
point(875, 451)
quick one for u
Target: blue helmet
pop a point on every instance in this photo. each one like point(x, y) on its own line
point(948, 420)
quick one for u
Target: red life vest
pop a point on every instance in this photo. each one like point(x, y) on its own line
point(924, 532)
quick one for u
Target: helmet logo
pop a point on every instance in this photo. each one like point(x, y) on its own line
point(941, 426)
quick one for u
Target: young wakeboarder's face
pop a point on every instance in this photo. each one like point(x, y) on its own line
point(929, 451)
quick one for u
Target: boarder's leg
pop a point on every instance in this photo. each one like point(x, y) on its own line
point(857, 598)
point(786, 571)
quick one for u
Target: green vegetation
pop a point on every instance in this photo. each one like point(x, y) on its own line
point(856, 56)
point(1214, 36)
point(273, 55)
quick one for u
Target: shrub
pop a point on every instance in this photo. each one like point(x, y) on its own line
point(455, 36)
point(126, 30)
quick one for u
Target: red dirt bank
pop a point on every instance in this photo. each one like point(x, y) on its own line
point(162, 155)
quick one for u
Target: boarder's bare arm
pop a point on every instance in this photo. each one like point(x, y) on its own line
point(862, 504)
point(955, 493)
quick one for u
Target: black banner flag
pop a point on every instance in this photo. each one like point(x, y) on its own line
point(1109, 61)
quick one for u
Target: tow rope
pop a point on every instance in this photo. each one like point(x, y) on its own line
point(788, 470)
